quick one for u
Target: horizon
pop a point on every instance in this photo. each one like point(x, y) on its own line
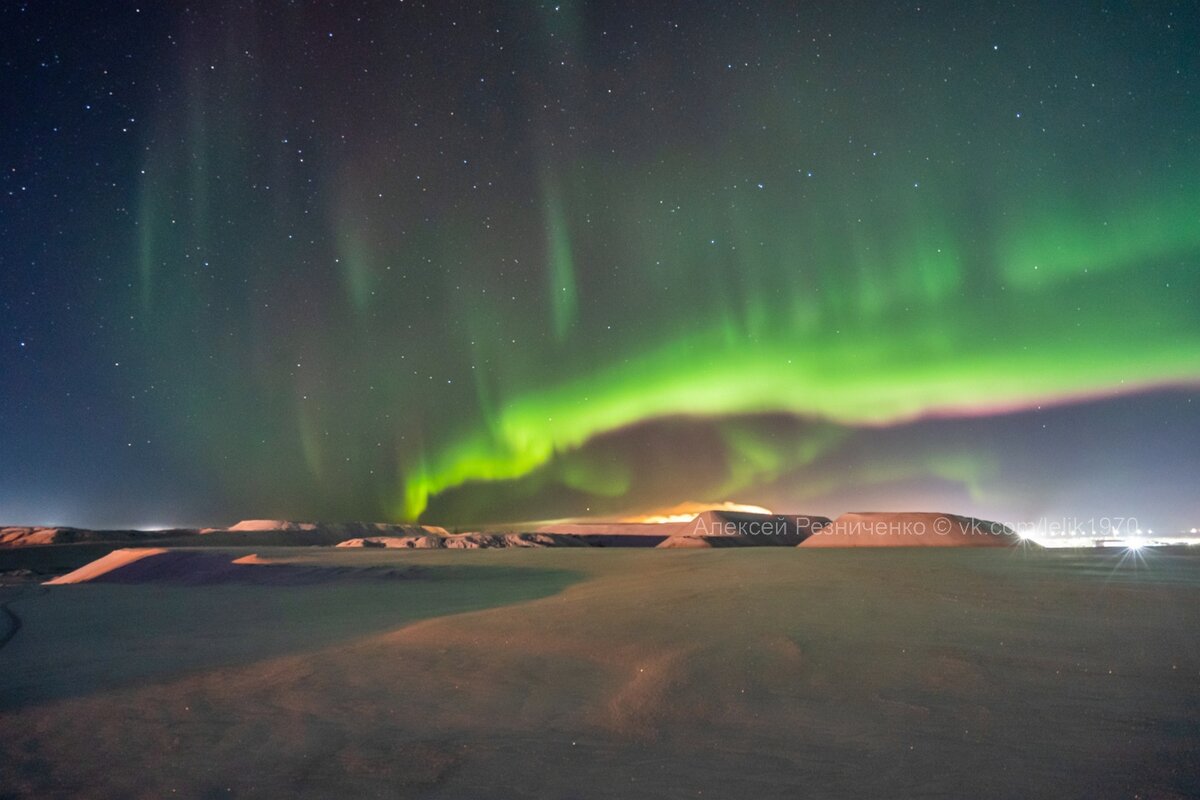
point(1045, 531)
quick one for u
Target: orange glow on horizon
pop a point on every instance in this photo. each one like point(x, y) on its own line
point(687, 511)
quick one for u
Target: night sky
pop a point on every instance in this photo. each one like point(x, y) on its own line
point(513, 261)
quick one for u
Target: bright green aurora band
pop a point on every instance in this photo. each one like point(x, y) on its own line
point(848, 264)
point(894, 342)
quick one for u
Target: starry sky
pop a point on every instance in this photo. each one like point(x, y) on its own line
point(486, 262)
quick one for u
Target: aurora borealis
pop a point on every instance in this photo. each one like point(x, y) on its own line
point(491, 262)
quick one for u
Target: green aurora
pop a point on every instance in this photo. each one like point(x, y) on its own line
point(862, 355)
point(852, 263)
